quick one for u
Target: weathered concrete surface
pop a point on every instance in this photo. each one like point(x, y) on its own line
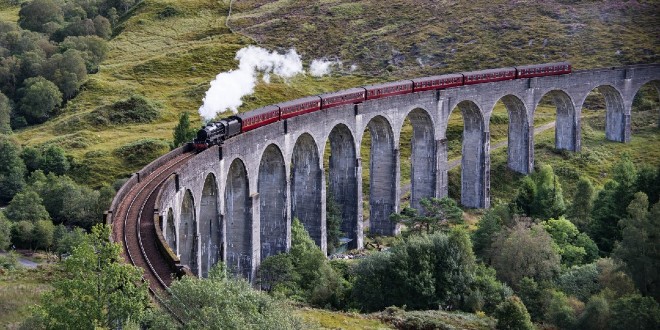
point(267, 176)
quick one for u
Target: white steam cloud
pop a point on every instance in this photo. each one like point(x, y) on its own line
point(228, 88)
point(320, 68)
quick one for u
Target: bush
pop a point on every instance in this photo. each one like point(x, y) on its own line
point(135, 109)
point(512, 314)
point(422, 272)
point(581, 282)
point(142, 152)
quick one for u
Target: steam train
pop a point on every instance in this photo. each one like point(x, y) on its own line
point(215, 132)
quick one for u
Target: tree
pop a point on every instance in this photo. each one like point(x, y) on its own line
point(438, 214)
point(512, 314)
point(525, 252)
point(5, 232)
point(549, 199)
point(635, 312)
point(27, 206)
point(35, 14)
point(560, 311)
point(489, 226)
point(65, 241)
point(420, 272)
point(226, 303)
point(92, 49)
point(54, 161)
point(43, 234)
point(524, 201)
point(640, 246)
point(66, 201)
point(67, 71)
point(333, 223)
point(604, 224)
point(103, 27)
point(22, 234)
point(182, 131)
point(596, 315)
point(39, 99)
point(32, 158)
point(580, 210)
point(574, 247)
point(648, 182)
point(97, 290)
point(12, 169)
point(5, 114)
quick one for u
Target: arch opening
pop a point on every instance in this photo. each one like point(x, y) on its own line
point(306, 178)
point(645, 108)
point(188, 233)
point(418, 151)
point(170, 230)
point(517, 135)
point(238, 221)
point(558, 105)
point(472, 158)
point(381, 187)
point(342, 181)
point(603, 110)
point(272, 202)
point(209, 223)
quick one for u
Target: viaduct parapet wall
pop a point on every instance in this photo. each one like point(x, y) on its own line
point(236, 202)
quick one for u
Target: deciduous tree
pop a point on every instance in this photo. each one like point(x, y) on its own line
point(39, 99)
point(12, 169)
point(97, 290)
point(27, 206)
point(580, 211)
point(525, 252)
point(640, 246)
point(5, 115)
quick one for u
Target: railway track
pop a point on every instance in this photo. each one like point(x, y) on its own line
point(133, 225)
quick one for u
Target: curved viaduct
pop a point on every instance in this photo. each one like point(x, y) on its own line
point(235, 202)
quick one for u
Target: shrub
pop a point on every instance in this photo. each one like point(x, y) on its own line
point(142, 152)
point(512, 314)
point(136, 109)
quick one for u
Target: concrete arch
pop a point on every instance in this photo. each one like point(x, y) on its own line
point(343, 180)
point(475, 162)
point(382, 176)
point(519, 138)
point(170, 230)
point(567, 135)
point(209, 224)
point(615, 114)
point(238, 220)
point(306, 183)
point(188, 233)
point(422, 158)
point(653, 82)
point(272, 189)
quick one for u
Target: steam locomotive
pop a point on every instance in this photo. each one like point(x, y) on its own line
point(215, 132)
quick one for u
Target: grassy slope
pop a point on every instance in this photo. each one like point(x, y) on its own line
point(172, 60)
point(19, 290)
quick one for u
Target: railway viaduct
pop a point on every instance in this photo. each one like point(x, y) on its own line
point(236, 202)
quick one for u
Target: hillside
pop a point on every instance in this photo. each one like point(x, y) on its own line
point(169, 50)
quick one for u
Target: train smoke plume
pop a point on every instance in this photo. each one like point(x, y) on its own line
point(228, 88)
point(320, 68)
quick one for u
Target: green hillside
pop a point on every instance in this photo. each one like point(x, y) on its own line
point(168, 51)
